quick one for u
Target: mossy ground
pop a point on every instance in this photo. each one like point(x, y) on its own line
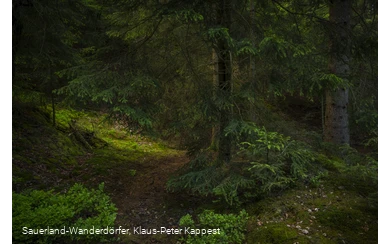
point(329, 213)
point(36, 143)
point(133, 167)
point(336, 208)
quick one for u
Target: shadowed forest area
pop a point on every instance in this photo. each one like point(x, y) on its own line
point(189, 121)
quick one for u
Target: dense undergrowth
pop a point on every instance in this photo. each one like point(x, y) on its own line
point(293, 191)
point(64, 216)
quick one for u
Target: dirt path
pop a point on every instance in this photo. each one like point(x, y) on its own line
point(142, 199)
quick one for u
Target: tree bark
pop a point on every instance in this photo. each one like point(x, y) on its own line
point(215, 129)
point(224, 78)
point(336, 112)
point(51, 89)
point(252, 63)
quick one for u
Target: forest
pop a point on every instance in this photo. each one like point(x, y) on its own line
point(195, 121)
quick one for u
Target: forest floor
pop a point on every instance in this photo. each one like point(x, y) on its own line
point(135, 171)
point(142, 199)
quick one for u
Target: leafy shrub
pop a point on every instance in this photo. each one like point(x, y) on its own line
point(78, 208)
point(231, 226)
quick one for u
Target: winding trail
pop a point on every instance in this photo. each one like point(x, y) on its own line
point(142, 199)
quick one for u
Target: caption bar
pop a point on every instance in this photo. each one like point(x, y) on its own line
point(119, 231)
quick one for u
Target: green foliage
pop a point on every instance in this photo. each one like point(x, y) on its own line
point(148, 63)
point(79, 208)
point(365, 122)
point(362, 177)
point(218, 34)
point(235, 188)
point(268, 161)
point(20, 95)
point(332, 81)
point(273, 47)
point(331, 208)
point(128, 96)
point(44, 36)
point(188, 15)
point(277, 160)
point(354, 171)
point(199, 177)
point(245, 47)
point(231, 227)
point(202, 176)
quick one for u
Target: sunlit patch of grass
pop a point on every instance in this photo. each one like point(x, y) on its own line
point(44, 155)
point(121, 145)
point(118, 137)
point(135, 146)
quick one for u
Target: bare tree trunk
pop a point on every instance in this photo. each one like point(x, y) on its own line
point(215, 130)
point(252, 64)
point(224, 78)
point(336, 112)
point(53, 108)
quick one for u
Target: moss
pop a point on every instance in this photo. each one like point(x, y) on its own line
point(23, 142)
point(22, 175)
point(23, 159)
point(114, 136)
point(54, 161)
point(275, 233)
point(117, 134)
point(132, 172)
point(53, 146)
point(333, 213)
point(350, 225)
point(65, 116)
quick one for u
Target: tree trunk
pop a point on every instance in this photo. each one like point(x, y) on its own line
point(252, 63)
point(53, 108)
point(224, 79)
point(51, 89)
point(336, 112)
point(215, 129)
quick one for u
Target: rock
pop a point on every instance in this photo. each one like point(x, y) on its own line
point(304, 231)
